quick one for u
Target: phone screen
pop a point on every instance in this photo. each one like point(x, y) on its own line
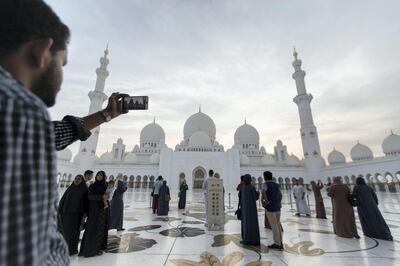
point(135, 103)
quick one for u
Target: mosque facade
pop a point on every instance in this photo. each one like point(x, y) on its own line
point(200, 151)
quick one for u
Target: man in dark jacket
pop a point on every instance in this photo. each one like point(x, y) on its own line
point(272, 198)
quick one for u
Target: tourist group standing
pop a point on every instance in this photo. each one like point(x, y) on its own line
point(161, 197)
point(95, 207)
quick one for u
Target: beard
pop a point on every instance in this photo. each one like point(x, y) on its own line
point(48, 84)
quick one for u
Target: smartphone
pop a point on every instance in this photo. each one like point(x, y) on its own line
point(135, 103)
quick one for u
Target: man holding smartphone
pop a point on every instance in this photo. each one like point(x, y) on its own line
point(33, 51)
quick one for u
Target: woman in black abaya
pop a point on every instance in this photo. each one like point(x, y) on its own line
point(117, 206)
point(372, 222)
point(94, 240)
point(248, 197)
point(73, 205)
point(163, 201)
point(182, 195)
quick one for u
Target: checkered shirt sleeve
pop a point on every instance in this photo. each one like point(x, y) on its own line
point(69, 130)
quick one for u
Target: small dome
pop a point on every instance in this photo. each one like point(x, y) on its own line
point(155, 158)
point(136, 148)
point(119, 141)
point(244, 159)
point(262, 149)
point(336, 157)
point(268, 160)
point(361, 152)
point(292, 160)
point(200, 139)
point(130, 158)
point(199, 122)
point(64, 155)
point(106, 157)
point(279, 143)
point(391, 145)
point(152, 133)
point(246, 134)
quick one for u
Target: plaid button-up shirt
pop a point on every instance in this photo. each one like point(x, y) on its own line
point(28, 187)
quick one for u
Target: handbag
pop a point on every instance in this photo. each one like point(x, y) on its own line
point(353, 200)
point(167, 197)
point(238, 213)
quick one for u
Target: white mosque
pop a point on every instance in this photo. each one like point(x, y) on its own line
point(199, 151)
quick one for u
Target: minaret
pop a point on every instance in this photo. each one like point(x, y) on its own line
point(308, 131)
point(97, 98)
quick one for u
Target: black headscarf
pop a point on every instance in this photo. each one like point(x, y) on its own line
point(74, 197)
point(360, 181)
point(247, 179)
point(99, 187)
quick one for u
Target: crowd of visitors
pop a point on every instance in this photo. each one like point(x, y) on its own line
point(344, 223)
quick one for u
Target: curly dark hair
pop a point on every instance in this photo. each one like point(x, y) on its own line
point(22, 21)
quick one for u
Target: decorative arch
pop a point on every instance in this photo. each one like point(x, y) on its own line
point(396, 177)
point(382, 182)
point(145, 181)
point(199, 174)
point(131, 181)
point(380, 178)
point(287, 183)
point(389, 177)
point(137, 182)
point(59, 178)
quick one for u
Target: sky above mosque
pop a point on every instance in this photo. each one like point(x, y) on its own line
point(234, 58)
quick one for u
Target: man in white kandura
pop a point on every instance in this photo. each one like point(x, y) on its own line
point(299, 194)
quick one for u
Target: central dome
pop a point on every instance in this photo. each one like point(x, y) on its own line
point(199, 122)
point(246, 134)
point(152, 132)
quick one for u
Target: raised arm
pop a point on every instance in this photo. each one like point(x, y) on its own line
point(71, 128)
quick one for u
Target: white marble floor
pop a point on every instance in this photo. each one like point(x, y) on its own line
point(183, 240)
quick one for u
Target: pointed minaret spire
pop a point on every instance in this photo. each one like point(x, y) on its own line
point(200, 108)
point(154, 120)
point(245, 120)
point(295, 53)
point(391, 132)
point(106, 51)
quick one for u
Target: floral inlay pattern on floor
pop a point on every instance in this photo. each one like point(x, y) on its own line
point(129, 242)
point(207, 258)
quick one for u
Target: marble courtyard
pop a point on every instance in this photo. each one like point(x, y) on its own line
point(181, 238)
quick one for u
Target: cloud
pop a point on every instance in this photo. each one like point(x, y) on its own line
point(234, 58)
